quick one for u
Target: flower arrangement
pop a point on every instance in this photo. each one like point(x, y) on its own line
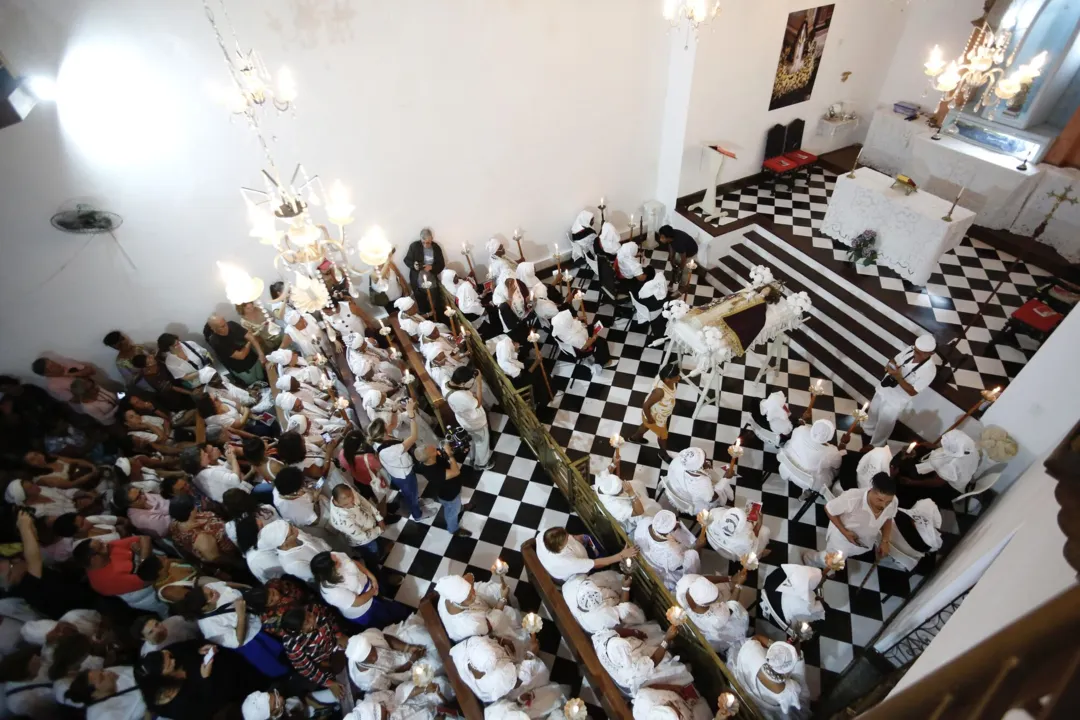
point(675, 309)
point(760, 275)
point(862, 248)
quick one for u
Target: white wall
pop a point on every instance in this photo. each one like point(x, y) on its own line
point(736, 64)
point(1029, 571)
point(946, 24)
point(472, 117)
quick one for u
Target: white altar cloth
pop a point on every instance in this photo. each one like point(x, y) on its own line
point(994, 188)
point(911, 232)
point(1063, 231)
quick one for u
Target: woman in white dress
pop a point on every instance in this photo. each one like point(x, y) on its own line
point(721, 620)
point(944, 473)
point(732, 535)
point(583, 236)
point(634, 661)
point(691, 486)
point(774, 675)
point(469, 608)
point(669, 556)
point(601, 601)
point(627, 501)
point(810, 451)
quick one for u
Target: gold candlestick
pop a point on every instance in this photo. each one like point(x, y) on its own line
point(860, 417)
point(948, 217)
point(855, 166)
point(816, 388)
point(426, 285)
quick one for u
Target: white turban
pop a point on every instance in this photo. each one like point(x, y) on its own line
point(281, 357)
point(539, 290)
point(285, 400)
point(256, 706)
point(926, 343)
point(206, 374)
point(663, 522)
point(448, 278)
point(404, 304)
point(693, 459)
point(493, 245)
point(655, 288)
point(703, 592)
point(34, 632)
point(15, 494)
point(292, 317)
point(782, 657)
point(355, 340)
point(273, 535)
point(801, 579)
point(409, 325)
point(822, 431)
point(483, 653)
point(584, 220)
point(627, 252)
point(588, 596)
point(732, 521)
point(299, 423)
point(619, 652)
point(526, 273)
point(284, 383)
point(426, 328)
point(366, 710)
point(773, 404)
point(608, 483)
point(124, 464)
point(562, 323)
point(609, 238)
point(359, 648)
point(507, 356)
point(363, 366)
point(372, 398)
point(927, 520)
point(454, 588)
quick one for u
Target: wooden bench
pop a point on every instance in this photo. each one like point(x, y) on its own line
point(579, 642)
point(434, 395)
point(468, 702)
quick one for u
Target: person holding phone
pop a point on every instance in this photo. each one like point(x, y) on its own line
point(906, 375)
point(397, 460)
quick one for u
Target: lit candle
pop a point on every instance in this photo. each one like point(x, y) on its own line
point(616, 440)
point(342, 403)
point(676, 615)
point(703, 517)
point(749, 561)
point(575, 709)
point(533, 336)
point(911, 447)
point(627, 565)
point(500, 567)
point(603, 201)
point(408, 377)
point(422, 674)
point(532, 623)
point(728, 706)
point(449, 310)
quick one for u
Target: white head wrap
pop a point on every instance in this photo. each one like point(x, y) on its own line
point(609, 238)
point(256, 706)
point(507, 356)
point(273, 535)
point(703, 592)
point(34, 632)
point(15, 494)
point(483, 653)
point(773, 404)
point(782, 657)
point(404, 304)
point(292, 317)
point(627, 252)
point(655, 288)
point(539, 290)
point(285, 400)
point(372, 398)
point(359, 648)
point(493, 245)
point(957, 459)
point(366, 710)
point(588, 596)
point(426, 328)
point(409, 325)
point(206, 374)
point(284, 383)
point(957, 444)
point(355, 340)
point(298, 423)
point(562, 325)
point(927, 520)
point(448, 278)
point(454, 588)
point(926, 343)
point(801, 579)
point(732, 521)
point(526, 273)
point(619, 652)
point(363, 366)
point(608, 483)
point(663, 522)
point(822, 431)
point(281, 357)
point(693, 458)
point(124, 464)
point(584, 220)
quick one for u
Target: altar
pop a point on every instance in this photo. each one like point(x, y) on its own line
point(912, 234)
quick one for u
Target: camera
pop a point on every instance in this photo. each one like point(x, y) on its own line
point(457, 439)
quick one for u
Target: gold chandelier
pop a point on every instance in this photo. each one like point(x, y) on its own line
point(983, 72)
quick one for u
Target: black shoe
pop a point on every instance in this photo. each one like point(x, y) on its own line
point(639, 441)
point(462, 532)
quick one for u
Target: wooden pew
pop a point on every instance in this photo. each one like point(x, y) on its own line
point(442, 411)
point(576, 638)
point(468, 702)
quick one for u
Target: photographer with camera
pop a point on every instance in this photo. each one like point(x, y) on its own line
point(465, 399)
point(440, 468)
point(906, 375)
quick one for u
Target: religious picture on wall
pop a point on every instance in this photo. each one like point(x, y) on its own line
point(804, 43)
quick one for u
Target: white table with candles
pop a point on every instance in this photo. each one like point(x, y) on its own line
point(913, 230)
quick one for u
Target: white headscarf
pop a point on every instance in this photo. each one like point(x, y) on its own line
point(493, 245)
point(426, 328)
point(285, 400)
point(732, 521)
point(372, 398)
point(655, 288)
point(775, 410)
point(454, 588)
point(693, 459)
point(507, 357)
point(782, 657)
point(256, 706)
point(663, 522)
point(608, 483)
point(281, 357)
point(822, 431)
point(629, 266)
point(273, 535)
point(409, 325)
point(927, 520)
point(404, 304)
point(956, 460)
point(589, 596)
point(584, 220)
point(703, 591)
point(526, 273)
point(298, 423)
point(569, 330)
point(284, 383)
point(292, 317)
point(609, 239)
point(449, 279)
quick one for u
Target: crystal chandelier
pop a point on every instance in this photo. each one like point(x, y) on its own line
point(694, 12)
point(983, 73)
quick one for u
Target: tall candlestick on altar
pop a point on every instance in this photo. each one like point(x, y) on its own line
point(948, 217)
point(855, 166)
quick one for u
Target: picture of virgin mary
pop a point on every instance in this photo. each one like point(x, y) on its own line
point(800, 56)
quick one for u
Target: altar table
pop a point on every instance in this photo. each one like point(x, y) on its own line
point(912, 235)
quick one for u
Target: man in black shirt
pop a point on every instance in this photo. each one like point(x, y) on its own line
point(236, 348)
point(681, 246)
point(444, 474)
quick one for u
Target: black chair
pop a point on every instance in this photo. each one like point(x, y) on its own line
point(612, 293)
point(776, 166)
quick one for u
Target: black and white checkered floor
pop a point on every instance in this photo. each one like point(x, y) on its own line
point(957, 293)
point(515, 499)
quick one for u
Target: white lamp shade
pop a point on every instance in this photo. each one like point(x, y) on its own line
point(240, 287)
point(374, 248)
point(308, 295)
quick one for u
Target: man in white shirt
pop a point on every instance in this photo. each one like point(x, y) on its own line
point(858, 520)
point(463, 397)
point(356, 519)
point(212, 475)
point(564, 555)
point(906, 375)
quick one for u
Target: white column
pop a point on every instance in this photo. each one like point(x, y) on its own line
point(676, 111)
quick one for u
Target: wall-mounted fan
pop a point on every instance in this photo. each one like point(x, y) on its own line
point(84, 219)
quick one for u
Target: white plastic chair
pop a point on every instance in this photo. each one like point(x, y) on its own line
point(566, 352)
point(795, 473)
point(764, 434)
point(770, 614)
point(903, 554)
point(642, 314)
point(982, 484)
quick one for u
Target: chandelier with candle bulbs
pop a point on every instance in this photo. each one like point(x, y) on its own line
point(982, 74)
point(695, 12)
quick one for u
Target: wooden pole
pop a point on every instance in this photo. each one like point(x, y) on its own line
point(517, 239)
point(988, 396)
point(543, 370)
point(431, 302)
point(449, 312)
point(877, 559)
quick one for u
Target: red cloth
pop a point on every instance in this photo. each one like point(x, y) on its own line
point(1038, 315)
point(118, 577)
point(779, 165)
point(801, 157)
